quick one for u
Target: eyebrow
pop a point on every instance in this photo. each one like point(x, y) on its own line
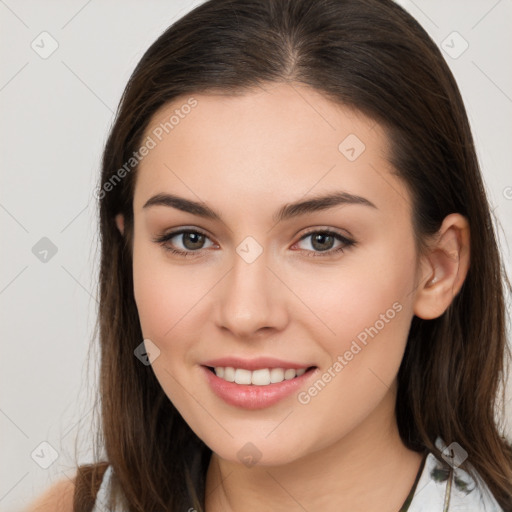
point(286, 212)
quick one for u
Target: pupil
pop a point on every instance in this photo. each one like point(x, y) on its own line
point(198, 240)
point(321, 238)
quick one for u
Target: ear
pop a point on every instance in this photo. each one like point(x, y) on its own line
point(444, 268)
point(120, 222)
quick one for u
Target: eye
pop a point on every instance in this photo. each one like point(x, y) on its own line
point(191, 240)
point(322, 242)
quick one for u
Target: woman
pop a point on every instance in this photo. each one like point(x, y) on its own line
point(302, 300)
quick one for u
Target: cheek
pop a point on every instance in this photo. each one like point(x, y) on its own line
point(367, 306)
point(171, 314)
point(368, 311)
point(370, 288)
point(173, 304)
point(163, 292)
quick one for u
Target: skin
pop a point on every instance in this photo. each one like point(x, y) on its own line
point(246, 156)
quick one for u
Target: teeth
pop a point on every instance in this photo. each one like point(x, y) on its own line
point(262, 377)
point(242, 376)
point(229, 374)
point(289, 374)
point(276, 375)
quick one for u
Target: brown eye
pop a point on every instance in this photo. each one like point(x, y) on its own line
point(322, 241)
point(191, 242)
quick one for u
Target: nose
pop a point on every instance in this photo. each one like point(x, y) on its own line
point(251, 299)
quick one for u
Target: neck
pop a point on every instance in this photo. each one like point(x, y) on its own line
point(368, 469)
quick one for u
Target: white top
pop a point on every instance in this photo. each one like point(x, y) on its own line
point(102, 498)
point(434, 492)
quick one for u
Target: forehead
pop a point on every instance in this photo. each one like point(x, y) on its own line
point(273, 116)
point(277, 142)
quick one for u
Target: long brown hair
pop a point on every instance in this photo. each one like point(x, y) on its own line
point(367, 54)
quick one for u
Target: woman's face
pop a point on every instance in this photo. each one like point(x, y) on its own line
point(263, 279)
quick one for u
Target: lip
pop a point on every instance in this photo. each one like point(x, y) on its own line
point(255, 364)
point(248, 396)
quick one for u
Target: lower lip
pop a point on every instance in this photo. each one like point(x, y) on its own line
point(251, 396)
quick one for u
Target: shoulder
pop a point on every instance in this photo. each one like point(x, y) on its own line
point(444, 485)
point(87, 485)
point(58, 498)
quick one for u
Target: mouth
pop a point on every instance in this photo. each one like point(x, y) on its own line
point(258, 377)
point(256, 389)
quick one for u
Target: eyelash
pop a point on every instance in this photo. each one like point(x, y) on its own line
point(162, 240)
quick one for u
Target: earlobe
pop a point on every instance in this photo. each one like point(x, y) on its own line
point(447, 264)
point(120, 222)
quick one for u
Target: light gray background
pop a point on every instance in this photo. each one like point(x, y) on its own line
point(55, 116)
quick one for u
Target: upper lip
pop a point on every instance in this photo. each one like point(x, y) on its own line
point(254, 364)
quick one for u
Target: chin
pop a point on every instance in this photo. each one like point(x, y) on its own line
point(258, 454)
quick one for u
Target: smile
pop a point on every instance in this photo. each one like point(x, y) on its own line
point(256, 389)
point(260, 377)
